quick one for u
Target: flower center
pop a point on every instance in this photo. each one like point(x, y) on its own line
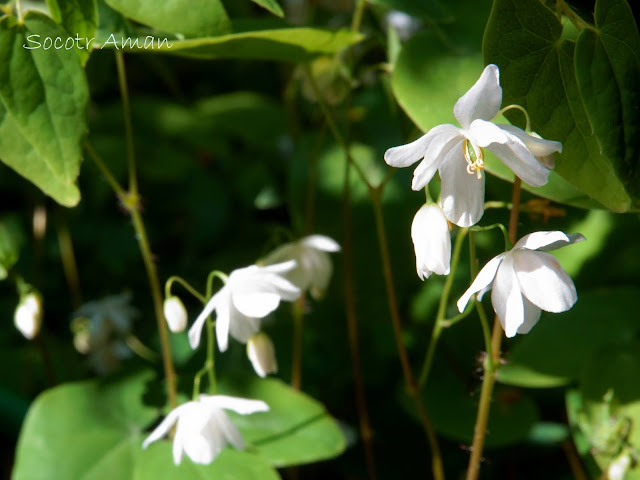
point(474, 157)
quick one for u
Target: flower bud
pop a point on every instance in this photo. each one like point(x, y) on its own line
point(28, 315)
point(262, 354)
point(175, 313)
point(432, 241)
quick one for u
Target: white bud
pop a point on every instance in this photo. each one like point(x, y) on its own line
point(175, 313)
point(28, 315)
point(262, 354)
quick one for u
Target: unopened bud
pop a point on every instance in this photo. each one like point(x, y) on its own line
point(262, 354)
point(28, 315)
point(175, 313)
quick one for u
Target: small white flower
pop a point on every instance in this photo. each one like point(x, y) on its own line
point(28, 315)
point(251, 293)
point(175, 314)
point(431, 241)
point(262, 354)
point(314, 267)
point(457, 153)
point(204, 428)
point(404, 24)
point(525, 281)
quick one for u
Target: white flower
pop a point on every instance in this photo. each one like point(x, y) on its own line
point(458, 156)
point(204, 428)
point(404, 24)
point(175, 314)
point(28, 315)
point(431, 241)
point(251, 293)
point(314, 267)
point(526, 281)
point(262, 354)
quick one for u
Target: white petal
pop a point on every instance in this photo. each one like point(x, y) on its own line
point(243, 406)
point(164, 427)
point(462, 193)
point(447, 138)
point(241, 327)
point(318, 269)
point(510, 150)
point(196, 329)
point(283, 287)
point(539, 147)
point(256, 304)
point(408, 154)
point(482, 281)
point(223, 321)
point(321, 242)
point(283, 253)
point(482, 100)
point(531, 316)
point(431, 241)
point(283, 267)
point(537, 240)
point(228, 429)
point(543, 281)
point(507, 298)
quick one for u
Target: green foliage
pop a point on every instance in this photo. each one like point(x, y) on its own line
point(11, 240)
point(192, 18)
point(566, 86)
point(272, 5)
point(84, 430)
point(79, 18)
point(42, 113)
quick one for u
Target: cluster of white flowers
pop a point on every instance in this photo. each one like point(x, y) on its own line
point(248, 295)
point(525, 281)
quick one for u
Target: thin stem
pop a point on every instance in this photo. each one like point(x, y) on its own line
point(141, 349)
point(442, 309)
point(574, 461)
point(19, 11)
point(115, 185)
point(449, 322)
point(517, 107)
point(128, 129)
point(210, 363)
point(357, 15)
point(296, 362)
point(69, 264)
point(484, 321)
point(412, 386)
point(492, 360)
point(156, 293)
point(187, 286)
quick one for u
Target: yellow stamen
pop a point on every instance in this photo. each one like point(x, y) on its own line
point(474, 157)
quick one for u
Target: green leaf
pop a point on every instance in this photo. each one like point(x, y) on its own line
point(88, 430)
point(271, 5)
point(286, 44)
point(296, 429)
point(193, 18)
point(573, 104)
point(11, 239)
point(80, 19)
point(542, 357)
point(157, 463)
point(43, 101)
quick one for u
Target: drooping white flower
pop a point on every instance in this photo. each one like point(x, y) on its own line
point(204, 428)
point(28, 315)
point(525, 281)
point(175, 314)
point(457, 153)
point(314, 268)
point(431, 241)
point(251, 293)
point(262, 354)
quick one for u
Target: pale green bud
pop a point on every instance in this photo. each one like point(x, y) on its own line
point(175, 313)
point(262, 354)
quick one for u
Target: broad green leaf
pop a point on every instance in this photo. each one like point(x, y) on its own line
point(286, 44)
point(271, 5)
point(156, 463)
point(427, 81)
point(86, 430)
point(536, 59)
point(193, 18)
point(80, 19)
point(43, 101)
point(543, 358)
point(11, 239)
point(296, 429)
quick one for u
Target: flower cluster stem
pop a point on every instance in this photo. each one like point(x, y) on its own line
point(411, 384)
point(440, 322)
point(492, 360)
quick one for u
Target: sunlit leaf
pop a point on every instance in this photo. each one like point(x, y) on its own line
point(80, 19)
